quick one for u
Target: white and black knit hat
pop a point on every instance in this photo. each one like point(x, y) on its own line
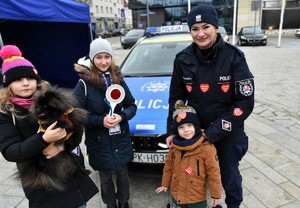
point(185, 114)
point(203, 13)
point(99, 45)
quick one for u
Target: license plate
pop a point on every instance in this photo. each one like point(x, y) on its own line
point(157, 158)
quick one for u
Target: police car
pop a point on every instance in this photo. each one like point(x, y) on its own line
point(147, 69)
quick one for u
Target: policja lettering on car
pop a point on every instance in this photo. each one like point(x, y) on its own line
point(152, 104)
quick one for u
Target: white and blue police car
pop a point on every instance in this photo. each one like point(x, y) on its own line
point(147, 69)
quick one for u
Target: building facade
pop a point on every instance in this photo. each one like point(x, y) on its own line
point(265, 13)
point(110, 14)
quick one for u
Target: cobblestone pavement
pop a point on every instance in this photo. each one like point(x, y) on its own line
point(271, 167)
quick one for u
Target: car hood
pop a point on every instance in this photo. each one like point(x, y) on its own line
point(151, 95)
point(259, 35)
point(131, 37)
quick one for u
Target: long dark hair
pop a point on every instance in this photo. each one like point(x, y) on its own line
point(98, 81)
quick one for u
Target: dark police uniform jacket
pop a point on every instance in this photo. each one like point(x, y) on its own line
point(218, 85)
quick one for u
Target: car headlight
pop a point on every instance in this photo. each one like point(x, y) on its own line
point(264, 37)
point(243, 38)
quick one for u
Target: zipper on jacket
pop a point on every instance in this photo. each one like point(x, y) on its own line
point(198, 168)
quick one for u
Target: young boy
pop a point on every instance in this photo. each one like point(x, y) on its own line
point(191, 160)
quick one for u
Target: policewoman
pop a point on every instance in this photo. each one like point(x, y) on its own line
point(213, 77)
point(107, 137)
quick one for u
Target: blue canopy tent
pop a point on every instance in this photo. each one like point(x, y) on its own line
point(52, 34)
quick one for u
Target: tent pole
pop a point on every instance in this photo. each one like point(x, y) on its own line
point(91, 31)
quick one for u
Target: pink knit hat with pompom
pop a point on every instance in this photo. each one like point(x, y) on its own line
point(15, 66)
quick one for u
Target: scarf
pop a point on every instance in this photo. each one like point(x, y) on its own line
point(190, 144)
point(23, 102)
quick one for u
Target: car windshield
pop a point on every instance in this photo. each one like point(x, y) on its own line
point(152, 59)
point(250, 30)
point(135, 33)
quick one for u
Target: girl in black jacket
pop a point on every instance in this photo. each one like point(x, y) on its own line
point(107, 135)
point(20, 142)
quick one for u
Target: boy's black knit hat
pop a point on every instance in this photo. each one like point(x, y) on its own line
point(185, 114)
point(202, 13)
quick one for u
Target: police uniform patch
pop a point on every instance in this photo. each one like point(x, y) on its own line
point(204, 87)
point(198, 18)
point(226, 125)
point(246, 88)
point(225, 87)
point(237, 112)
point(188, 88)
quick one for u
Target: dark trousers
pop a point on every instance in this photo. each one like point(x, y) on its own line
point(229, 157)
point(108, 193)
point(173, 204)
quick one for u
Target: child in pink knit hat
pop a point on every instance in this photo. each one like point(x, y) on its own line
point(15, 66)
point(21, 143)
